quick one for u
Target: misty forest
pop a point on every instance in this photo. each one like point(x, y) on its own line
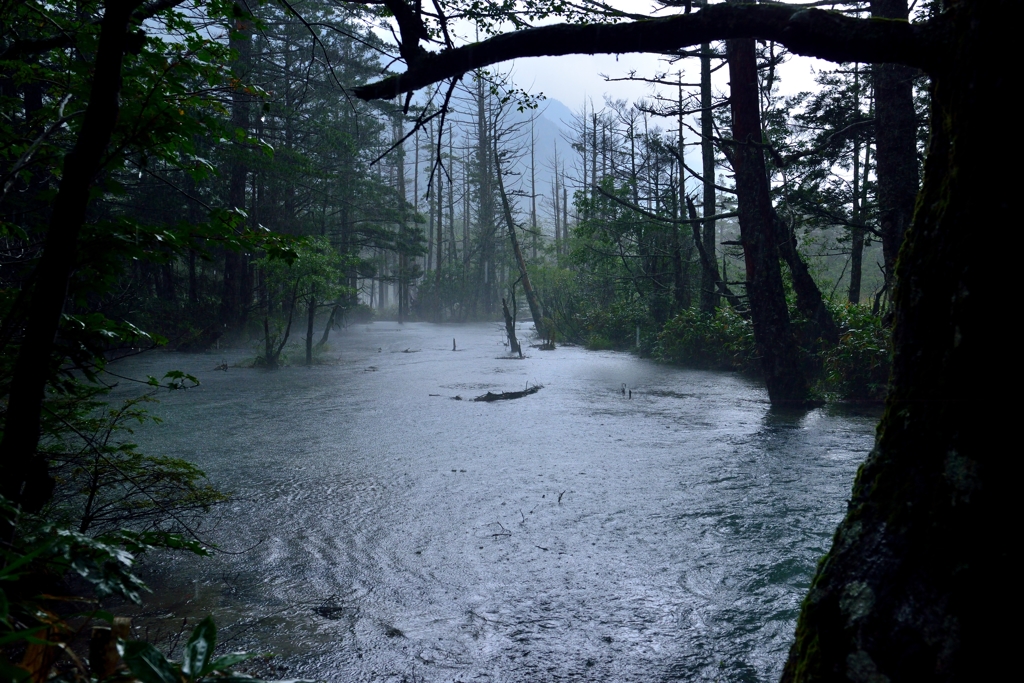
point(329, 338)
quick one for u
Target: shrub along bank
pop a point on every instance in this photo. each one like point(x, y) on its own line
point(854, 369)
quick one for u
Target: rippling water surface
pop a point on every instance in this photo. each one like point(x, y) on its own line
point(392, 533)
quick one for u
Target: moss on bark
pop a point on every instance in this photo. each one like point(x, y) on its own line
point(903, 594)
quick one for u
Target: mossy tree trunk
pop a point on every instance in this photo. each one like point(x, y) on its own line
point(773, 335)
point(908, 591)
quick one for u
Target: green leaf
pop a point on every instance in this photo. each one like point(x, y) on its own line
point(222, 663)
point(199, 649)
point(148, 664)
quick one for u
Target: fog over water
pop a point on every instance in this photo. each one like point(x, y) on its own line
point(573, 534)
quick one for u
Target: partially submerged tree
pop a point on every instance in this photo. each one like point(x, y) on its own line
point(312, 280)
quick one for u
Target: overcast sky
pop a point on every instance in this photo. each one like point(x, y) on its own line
point(574, 78)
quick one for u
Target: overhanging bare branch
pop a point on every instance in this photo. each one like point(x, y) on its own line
point(812, 32)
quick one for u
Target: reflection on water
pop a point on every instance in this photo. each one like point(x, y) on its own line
point(575, 534)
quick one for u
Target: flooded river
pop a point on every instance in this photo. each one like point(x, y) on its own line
point(382, 531)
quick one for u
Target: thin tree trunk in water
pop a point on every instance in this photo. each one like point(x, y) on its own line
point(465, 224)
point(531, 297)
point(310, 319)
point(510, 330)
point(593, 154)
point(773, 334)
point(274, 355)
point(335, 310)
point(906, 592)
point(23, 473)
point(556, 211)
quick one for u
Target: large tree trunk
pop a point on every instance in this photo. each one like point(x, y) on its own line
point(906, 593)
point(23, 473)
point(773, 334)
point(895, 144)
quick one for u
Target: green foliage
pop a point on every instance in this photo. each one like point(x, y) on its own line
point(561, 294)
point(314, 273)
point(35, 556)
point(103, 484)
point(855, 369)
point(858, 367)
point(599, 320)
point(198, 665)
point(614, 327)
point(724, 341)
point(44, 548)
point(41, 553)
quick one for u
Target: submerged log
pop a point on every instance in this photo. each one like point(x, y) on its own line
point(506, 395)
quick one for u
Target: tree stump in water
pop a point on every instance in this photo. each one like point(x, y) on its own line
point(510, 330)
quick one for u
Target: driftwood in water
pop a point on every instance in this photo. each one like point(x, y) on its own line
point(506, 395)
